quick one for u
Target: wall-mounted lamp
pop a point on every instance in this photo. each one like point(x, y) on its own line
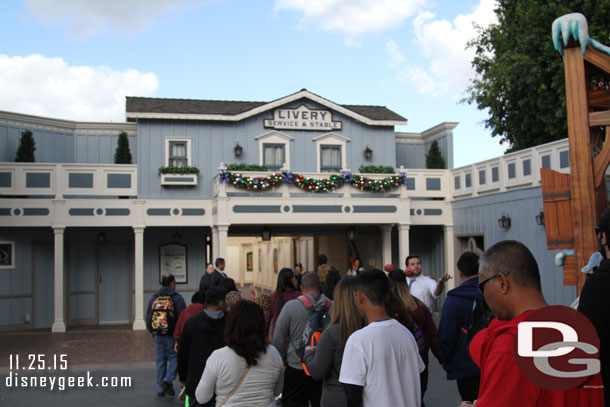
point(266, 234)
point(101, 237)
point(351, 233)
point(239, 150)
point(540, 218)
point(504, 222)
point(177, 237)
point(368, 153)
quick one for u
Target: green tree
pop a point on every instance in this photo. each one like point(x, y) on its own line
point(521, 76)
point(122, 155)
point(27, 146)
point(434, 158)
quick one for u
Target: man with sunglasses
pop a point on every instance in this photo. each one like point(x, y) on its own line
point(595, 300)
point(510, 282)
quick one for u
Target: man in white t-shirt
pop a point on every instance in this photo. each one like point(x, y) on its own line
point(424, 288)
point(381, 362)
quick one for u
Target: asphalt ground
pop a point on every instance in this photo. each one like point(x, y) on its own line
point(141, 390)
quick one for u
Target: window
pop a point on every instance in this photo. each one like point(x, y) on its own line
point(495, 174)
point(274, 150)
point(330, 158)
point(527, 167)
point(456, 182)
point(331, 152)
point(546, 161)
point(468, 179)
point(274, 155)
point(482, 177)
point(7, 255)
point(511, 171)
point(564, 159)
point(178, 152)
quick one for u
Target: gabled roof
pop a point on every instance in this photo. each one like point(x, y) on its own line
point(222, 110)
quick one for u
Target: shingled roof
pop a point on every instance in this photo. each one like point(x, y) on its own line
point(157, 107)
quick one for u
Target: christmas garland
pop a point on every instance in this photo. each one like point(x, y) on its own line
point(310, 184)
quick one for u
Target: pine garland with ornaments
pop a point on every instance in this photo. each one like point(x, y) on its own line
point(311, 184)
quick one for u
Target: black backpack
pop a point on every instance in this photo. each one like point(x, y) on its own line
point(481, 317)
point(317, 322)
point(163, 315)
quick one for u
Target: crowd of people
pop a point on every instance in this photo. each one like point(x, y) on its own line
point(363, 337)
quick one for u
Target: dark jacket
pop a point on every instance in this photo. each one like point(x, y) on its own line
point(179, 304)
point(595, 303)
point(210, 280)
point(423, 317)
point(325, 363)
point(453, 330)
point(202, 335)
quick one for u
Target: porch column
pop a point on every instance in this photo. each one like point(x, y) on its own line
point(214, 244)
point(311, 262)
point(223, 232)
point(403, 244)
point(386, 244)
point(59, 324)
point(138, 320)
point(450, 256)
point(302, 254)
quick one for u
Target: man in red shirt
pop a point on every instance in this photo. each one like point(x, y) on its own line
point(510, 282)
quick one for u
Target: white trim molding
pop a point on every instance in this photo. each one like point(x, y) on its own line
point(331, 139)
point(274, 137)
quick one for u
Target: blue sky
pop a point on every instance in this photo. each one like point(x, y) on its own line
point(78, 59)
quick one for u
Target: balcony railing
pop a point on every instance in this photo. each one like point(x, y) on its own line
point(511, 171)
point(60, 180)
point(420, 183)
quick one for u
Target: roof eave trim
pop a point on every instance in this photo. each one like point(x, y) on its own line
point(264, 108)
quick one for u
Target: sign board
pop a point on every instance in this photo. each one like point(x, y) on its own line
point(302, 118)
point(173, 261)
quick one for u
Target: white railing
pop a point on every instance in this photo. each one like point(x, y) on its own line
point(59, 180)
point(421, 183)
point(511, 171)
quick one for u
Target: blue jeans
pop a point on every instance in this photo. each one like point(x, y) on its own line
point(167, 360)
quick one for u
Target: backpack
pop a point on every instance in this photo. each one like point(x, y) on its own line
point(419, 337)
point(317, 322)
point(163, 315)
point(481, 317)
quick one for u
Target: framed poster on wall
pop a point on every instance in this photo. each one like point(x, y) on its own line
point(172, 260)
point(249, 262)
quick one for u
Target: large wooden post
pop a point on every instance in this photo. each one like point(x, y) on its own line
point(584, 207)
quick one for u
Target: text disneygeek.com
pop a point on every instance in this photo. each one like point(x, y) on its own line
point(25, 372)
point(17, 380)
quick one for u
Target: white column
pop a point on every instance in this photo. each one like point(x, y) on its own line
point(223, 233)
point(138, 320)
point(214, 245)
point(311, 264)
point(403, 244)
point(59, 324)
point(450, 256)
point(386, 245)
point(302, 252)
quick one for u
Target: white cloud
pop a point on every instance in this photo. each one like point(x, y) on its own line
point(396, 58)
point(352, 18)
point(443, 44)
point(45, 86)
point(86, 17)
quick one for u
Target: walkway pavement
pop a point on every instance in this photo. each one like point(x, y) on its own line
point(97, 352)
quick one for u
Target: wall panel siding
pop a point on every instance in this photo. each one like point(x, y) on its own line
point(213, 143)
point(479, 216)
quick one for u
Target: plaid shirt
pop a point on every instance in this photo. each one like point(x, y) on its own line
point(274, 311)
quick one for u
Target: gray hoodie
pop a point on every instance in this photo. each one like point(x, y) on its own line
point(290, 326)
